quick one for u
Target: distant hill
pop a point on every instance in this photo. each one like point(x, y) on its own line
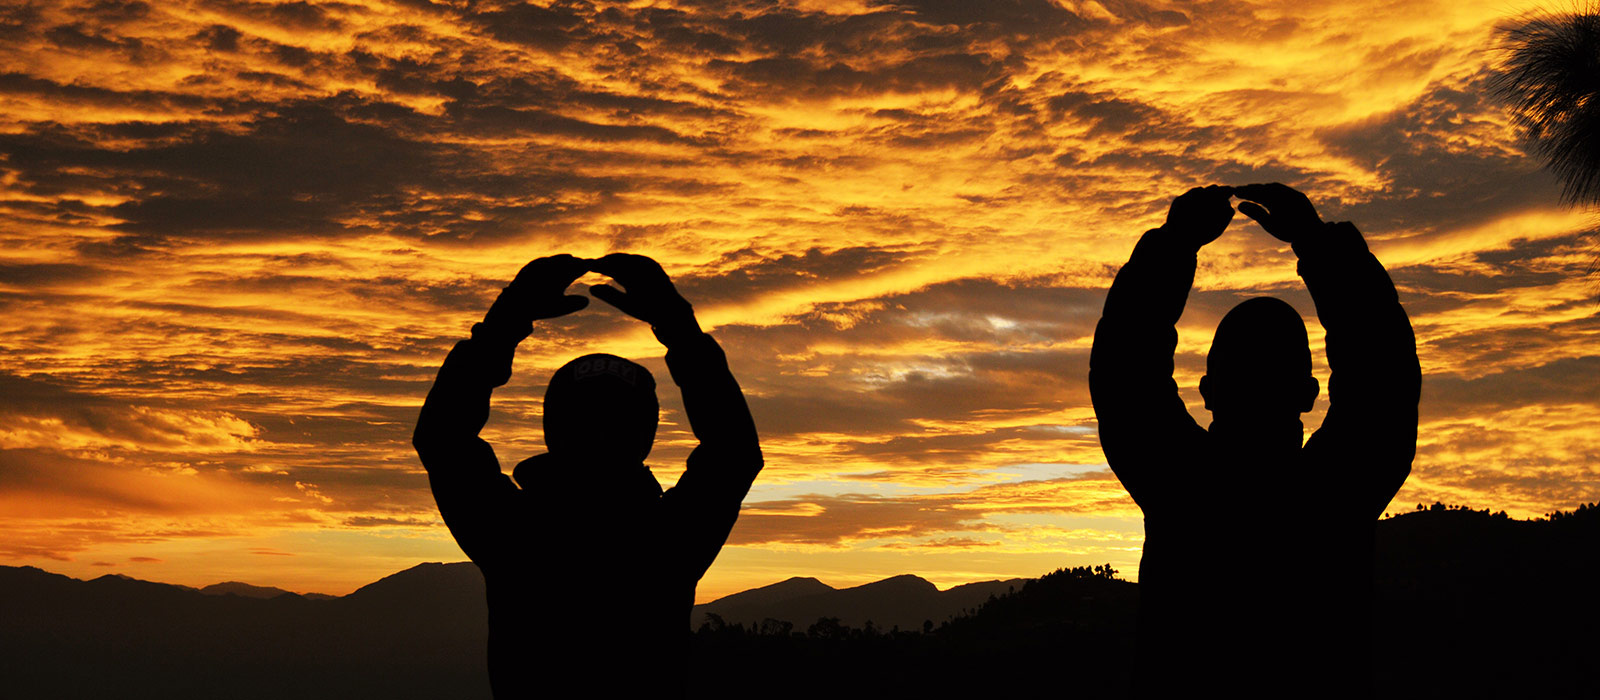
point(1068, 633)
point(244, 590)
point(774, 594)
point(452, 585)
point(903, 601)
point(1467, 603)
point(419, 633)
point(1496, 607)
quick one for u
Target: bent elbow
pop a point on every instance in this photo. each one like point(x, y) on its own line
point(427, 443)
point(749, 459)
point(421, 436)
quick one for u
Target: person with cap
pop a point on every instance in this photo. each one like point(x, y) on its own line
point(589, 566)
point(1256, 575)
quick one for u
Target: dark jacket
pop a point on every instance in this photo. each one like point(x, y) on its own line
point(589, 581)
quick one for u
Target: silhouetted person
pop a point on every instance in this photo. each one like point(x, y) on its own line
point(590, 567)
point(1257, 568)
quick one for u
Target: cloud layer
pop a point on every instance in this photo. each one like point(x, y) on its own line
point(239, 237)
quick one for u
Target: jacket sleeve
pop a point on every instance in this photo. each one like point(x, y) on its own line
point(721, 468)
point(1370, 432)
point(1145, 430)
point(473, 495)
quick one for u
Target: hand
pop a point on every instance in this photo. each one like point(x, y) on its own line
point(538, 292)
point(1201, 214)
point(650, 296)
point(1287, 213)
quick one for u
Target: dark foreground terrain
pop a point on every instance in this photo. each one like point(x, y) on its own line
point(1470, 604)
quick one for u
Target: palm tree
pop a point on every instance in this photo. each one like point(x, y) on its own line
point(1551, 79)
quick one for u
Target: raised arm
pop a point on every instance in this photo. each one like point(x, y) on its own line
point(721, 468)
point(1144, 427)
point(473, 495)
point(1376, 382)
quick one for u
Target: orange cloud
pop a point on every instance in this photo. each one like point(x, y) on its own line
point(239, 237)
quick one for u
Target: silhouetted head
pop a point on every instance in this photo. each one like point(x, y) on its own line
point(1259, 367)
point(601, 408)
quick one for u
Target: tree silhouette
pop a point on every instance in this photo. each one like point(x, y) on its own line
point(828, 628)
point(714, 623)
point(1551, 79)
point(774, 628)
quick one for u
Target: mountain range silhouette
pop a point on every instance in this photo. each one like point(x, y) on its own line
point(903, 601)
point(1468, 602)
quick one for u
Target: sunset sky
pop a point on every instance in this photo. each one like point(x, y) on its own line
point(239, 237)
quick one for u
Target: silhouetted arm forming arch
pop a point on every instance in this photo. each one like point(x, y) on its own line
point(474, 497)
point(1144, 426)
point(704, 504)
point(472, 493)
point(1370, 430)
point(728, 458)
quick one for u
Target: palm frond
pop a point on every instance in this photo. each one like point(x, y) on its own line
point(1550, 78)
